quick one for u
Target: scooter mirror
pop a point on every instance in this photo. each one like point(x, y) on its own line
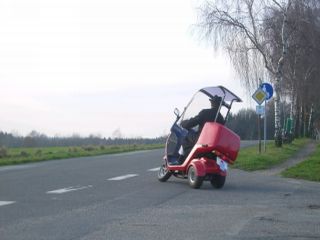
point(177, 112)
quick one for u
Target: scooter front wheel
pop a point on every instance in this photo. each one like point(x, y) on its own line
point(195, 181)
point(164, 174)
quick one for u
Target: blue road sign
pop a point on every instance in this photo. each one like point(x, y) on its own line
point(268, 89)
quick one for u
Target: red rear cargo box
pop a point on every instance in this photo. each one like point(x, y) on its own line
point(220, 138)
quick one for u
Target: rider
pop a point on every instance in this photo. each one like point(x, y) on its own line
point(205, 115)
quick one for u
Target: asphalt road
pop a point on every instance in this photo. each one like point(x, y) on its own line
point(119, 197)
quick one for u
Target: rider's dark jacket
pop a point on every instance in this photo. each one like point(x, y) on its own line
point(205, 115)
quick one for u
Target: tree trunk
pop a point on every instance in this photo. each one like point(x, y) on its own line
point(279, 77)
point(277, 120)
point(310, 121)
point(301, 122)
point(297, 124)
point(304, 121)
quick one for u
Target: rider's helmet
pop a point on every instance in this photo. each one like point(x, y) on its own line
point(215, 100)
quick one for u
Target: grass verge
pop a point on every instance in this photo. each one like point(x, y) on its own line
point(12, 156)
point(308, 169)
point(249, 158)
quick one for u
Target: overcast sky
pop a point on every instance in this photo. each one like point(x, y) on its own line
point(91, 67)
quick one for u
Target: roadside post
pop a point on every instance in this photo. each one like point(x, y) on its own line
point(259, 96)
point(268, 89)
point(260, 110)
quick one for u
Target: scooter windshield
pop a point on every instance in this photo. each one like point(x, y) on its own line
point(198, 102)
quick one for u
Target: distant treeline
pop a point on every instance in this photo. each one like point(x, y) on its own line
point(244, 123)
point(35, 139)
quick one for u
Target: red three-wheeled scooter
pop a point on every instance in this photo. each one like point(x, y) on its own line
point(216, 145)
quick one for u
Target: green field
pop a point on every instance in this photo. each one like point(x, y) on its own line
point(249, 158)
point(308, 169)
point(12, 156)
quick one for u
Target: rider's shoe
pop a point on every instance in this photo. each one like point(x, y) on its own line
point(176, 162)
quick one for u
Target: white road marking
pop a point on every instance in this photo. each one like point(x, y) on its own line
point(68, 189)
point(123, 177)
point(154, 169)
point(3, 203)
point(19, 167)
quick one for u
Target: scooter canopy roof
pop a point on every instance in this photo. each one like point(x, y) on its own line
point(221, 92)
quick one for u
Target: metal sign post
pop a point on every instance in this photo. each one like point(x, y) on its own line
point(265, 126)
point(260, 112)
point(259, 132)
point(268, 89)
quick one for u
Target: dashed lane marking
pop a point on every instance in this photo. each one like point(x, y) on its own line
point(154, 169)
point(3, 203)
point(123, 177)
point(68, 189)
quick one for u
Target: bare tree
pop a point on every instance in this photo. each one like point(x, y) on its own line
point(301, 72)
point(238, 26)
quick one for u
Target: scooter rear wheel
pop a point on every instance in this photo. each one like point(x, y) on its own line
point(164, 174)
point(217, 181)
point(195, 181)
